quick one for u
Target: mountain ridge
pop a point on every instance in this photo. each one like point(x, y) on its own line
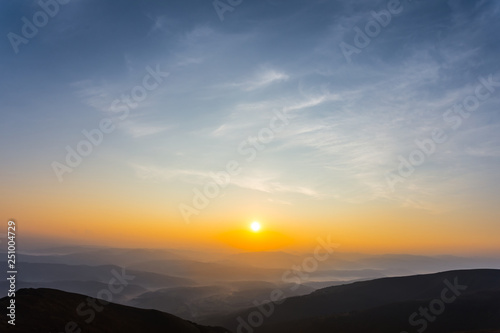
point(365, 295)
point(52, 310)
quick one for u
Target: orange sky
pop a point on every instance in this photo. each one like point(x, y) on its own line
point(141, 217)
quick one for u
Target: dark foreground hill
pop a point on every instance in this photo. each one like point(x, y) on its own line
point(478, 312)
point(55, 311)
point(457, 301)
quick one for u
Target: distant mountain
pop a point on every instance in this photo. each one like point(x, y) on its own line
point(381, 304)
point(90, 288)
point(263, 259)
point(425, 264)
point(50, 310)
point(325, 284)
point(90, 256)
point(47, 273)
point(196, 302)
point(178, 296)
point(211, 268)
point(209, 272)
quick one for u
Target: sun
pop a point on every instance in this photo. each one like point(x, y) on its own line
point(255, 226)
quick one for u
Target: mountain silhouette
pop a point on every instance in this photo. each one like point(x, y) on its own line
point(381, 305)
point(55, 311)
point(463, 301)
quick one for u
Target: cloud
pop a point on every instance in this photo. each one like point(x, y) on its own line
point(261, 80)
point(197, 34)
point(348, 122)
point(96, 96)
point(267, 184)
point(156, 173)
point(271, 185)
point(137, 130)
point(160, 24)
point(251, 117)
point(190, 61)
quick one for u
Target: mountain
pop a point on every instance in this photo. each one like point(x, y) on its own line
point(50, 310)
point(211, 268)
point(89, 288)
point(476, 312)
point(91, 256)
point(344, 308)
point(47, 273)
point(208, 272)
point(178, 296)
point(263, 259)
point(193, 303)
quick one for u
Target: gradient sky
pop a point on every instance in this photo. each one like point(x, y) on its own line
point(349, 123)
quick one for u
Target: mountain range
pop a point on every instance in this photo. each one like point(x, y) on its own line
point(457, 301)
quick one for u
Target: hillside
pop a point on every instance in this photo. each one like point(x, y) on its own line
point(385, 302)
point(50, 310)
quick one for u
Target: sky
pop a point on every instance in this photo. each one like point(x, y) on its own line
point(178, 123)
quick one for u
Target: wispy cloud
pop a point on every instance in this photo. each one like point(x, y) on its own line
point(271, 185)
point(262, 79)
point(162, 174)
point(267, 184)
point(140, 130)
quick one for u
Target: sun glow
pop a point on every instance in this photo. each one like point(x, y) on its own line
point(255, 226)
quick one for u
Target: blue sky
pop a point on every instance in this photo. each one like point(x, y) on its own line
point(349, 121)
